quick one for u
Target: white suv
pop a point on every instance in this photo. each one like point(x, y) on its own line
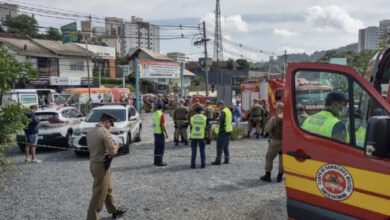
point(56, 126)
point(127, 128)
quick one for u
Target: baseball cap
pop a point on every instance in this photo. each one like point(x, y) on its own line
point(335, 96)
point(108, 116)
point(198, 108)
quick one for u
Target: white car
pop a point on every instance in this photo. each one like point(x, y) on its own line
point(56, 126)
point(127, 128)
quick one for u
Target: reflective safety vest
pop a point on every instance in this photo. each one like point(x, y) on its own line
point(198, 126)
point(322, 123)
point(228, 121)
point(156, 118)
point(360, 135)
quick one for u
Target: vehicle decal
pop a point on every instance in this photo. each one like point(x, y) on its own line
point(334, 182)
point(369, 190)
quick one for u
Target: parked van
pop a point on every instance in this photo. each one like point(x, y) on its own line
point(38, 97)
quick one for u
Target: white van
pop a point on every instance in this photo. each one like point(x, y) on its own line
point(38, 97)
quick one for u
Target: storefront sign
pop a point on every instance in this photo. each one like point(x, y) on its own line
point(65, 81)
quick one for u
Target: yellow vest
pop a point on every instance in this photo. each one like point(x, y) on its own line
point(228, 121)
point(198, 126)
point(360, 135)
point(322, 123)
point(156, 118)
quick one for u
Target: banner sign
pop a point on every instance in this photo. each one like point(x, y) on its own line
point(157, 69)
point(65, 81)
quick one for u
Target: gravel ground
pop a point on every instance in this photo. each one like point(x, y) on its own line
point(61, 186)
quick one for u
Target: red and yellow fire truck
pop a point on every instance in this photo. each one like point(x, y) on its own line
point(333, 178)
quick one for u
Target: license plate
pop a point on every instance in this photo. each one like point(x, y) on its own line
point(40, 137)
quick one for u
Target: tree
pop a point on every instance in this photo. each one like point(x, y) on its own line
point(12, 116)
point(52, 34)
point(242, 64)
point(22, 24)
point(230, 64)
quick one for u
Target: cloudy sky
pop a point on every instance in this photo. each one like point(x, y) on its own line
point(268, 25)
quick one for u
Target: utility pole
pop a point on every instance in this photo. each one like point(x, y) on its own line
point(205, 64)
point(285, 62)
point(205, 58)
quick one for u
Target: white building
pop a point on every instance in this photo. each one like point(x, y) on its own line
point(139, 34)
point(368, 38)
point(8, 11)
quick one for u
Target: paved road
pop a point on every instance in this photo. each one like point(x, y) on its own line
point(60, 187)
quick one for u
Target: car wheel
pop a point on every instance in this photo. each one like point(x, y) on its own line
point(138, 139)
point(69, 139)
point(22, 147)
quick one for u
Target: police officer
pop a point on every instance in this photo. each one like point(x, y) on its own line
point(223, 129)
point(180, 116)
point(265, 117)
point(326, 122)
point(147, 104)
point(256, 114)
point(171, 104)
point(209, 113)
point(159, 139)
point(198, 125)
point(100, 144)
point(274, 128)
point(192, 108)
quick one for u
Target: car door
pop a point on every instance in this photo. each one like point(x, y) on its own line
point(329, 178)
point(134, 121)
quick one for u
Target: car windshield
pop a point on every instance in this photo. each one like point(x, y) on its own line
point(46, 116)
point(95, 115)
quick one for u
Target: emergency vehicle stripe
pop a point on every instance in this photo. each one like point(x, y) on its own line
point(367, 185)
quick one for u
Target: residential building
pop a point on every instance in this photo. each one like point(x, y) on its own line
point(113, 26)
point(177, 57)
point(86, 28)
point(140, 34)
point(384, 31)
point(8, 11)
point(368, 38)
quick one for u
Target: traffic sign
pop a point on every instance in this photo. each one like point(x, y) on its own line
point(69, 33)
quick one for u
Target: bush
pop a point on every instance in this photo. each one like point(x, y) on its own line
point(12, 120)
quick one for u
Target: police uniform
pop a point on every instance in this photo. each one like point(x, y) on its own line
point(147, 105)
point(192, 111)
point(180, 118)
point(255, 118)
point(265, 117)
point(99, 142)
point(198, 125)
point(159, 138)
point(223, 129)
point(209, 113)
point(171, 105)
point(274, 128)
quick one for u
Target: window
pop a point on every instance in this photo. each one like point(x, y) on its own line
point(132, 112)
point(77, 65)
point(364, 108)
point(315, 113)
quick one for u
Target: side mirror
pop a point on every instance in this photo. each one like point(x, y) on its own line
point(377, 138)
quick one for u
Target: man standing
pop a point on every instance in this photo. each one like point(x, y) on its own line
point(237, 114)
point(255, 116)
point(101, 147)
point(223, 129)
point(180, 115)
point(171, 105)
point(159, 139)
point(31, 133)
point(326, 122)
point(265, 117)
point(209, 113)
point(198, 126)
point(274, 128)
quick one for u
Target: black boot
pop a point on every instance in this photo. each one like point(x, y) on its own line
point(280, 177)
point(262, 133)
point(266, 135)
point(216, 162)
point(185, 142)
point(176, 143)
point(257, 135)
point(266, 177)
point(226, 161)
point(248, 135)
point(208, 141)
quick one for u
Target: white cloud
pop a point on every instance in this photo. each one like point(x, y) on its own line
point(284, 33)
point(230, 23)
point(331, 18)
